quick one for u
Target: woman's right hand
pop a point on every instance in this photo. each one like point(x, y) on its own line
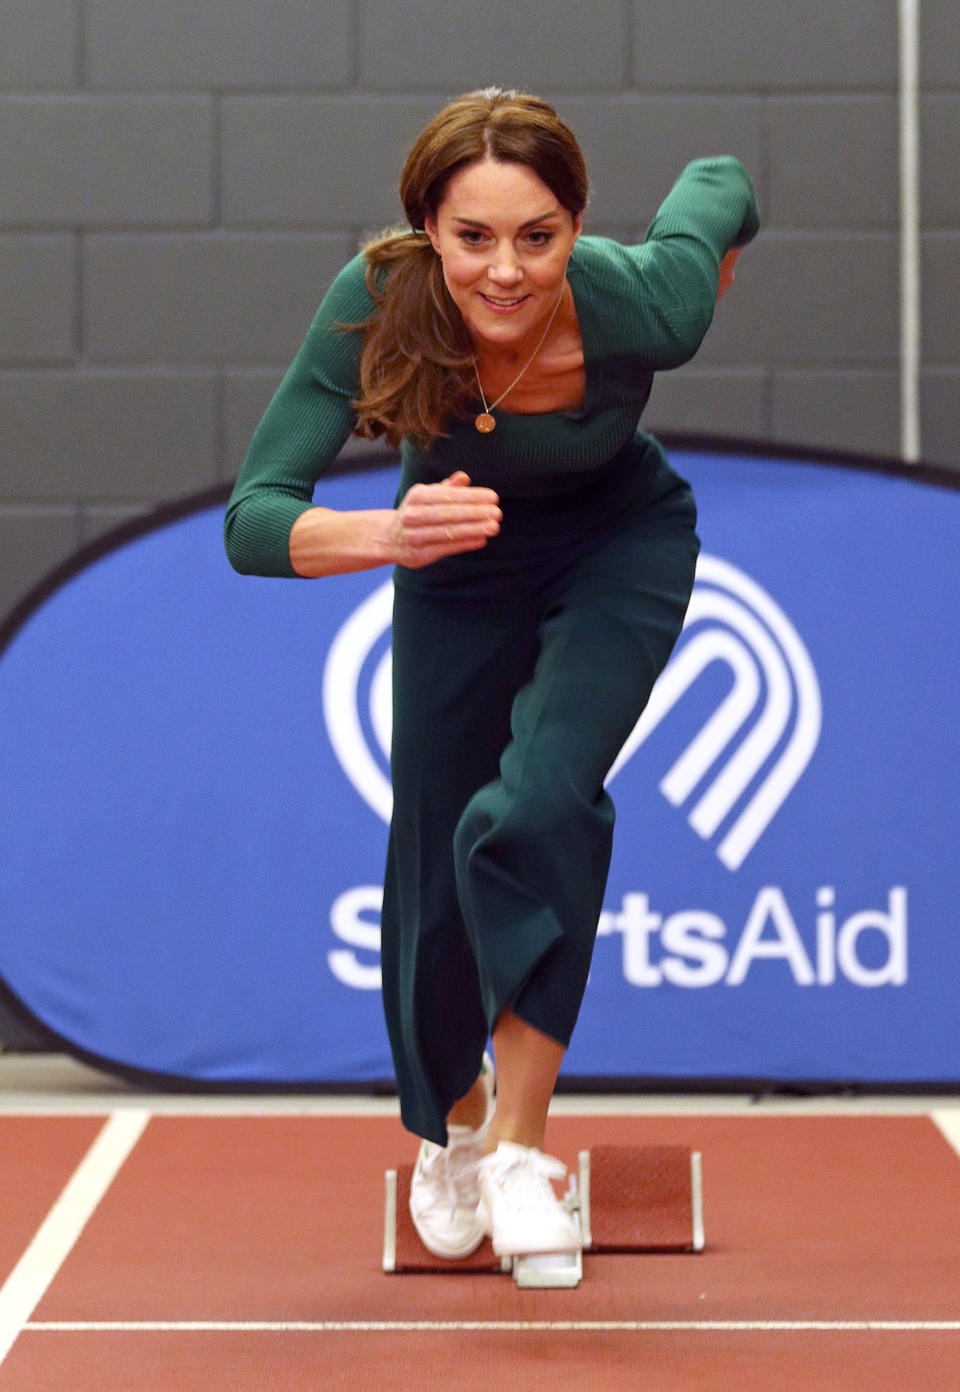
point(435, 520)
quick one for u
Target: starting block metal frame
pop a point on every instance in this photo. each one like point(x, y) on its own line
point(625, 1199)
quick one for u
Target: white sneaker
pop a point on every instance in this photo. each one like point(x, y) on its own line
point(518, 1206)
point(445, 1186)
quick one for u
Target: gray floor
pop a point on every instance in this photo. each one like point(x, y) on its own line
point(39, 1082)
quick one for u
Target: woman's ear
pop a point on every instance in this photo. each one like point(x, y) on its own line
point(430, 227)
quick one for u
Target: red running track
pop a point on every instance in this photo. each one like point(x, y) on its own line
point(831, 1262)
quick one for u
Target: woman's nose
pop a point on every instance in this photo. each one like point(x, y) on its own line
point(504, 267)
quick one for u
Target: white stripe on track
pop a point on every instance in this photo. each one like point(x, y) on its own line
point(25, 1286)
point(949, 1124)
point(482, 1326)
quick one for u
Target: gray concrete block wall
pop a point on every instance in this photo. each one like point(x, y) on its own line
point(836, 45)
point(213, 45)
point(38, 298)
point(539, 45)
point(91, 161)
point(39, 48)
point(182, 178)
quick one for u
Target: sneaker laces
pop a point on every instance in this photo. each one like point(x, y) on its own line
point(533, 1171)
point(452, 1170)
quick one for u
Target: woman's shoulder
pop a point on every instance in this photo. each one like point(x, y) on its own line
point(592, 253)
point(711, 200)
point(644, 302)
point(608, 267)
point(348, 299)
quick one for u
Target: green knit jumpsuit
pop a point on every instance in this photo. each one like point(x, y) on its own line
point(518, 670)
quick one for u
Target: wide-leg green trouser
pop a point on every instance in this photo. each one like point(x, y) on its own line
point(509, 710)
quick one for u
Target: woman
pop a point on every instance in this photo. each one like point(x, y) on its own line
point(544, 556)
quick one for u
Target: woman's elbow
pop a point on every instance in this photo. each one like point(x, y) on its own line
point(681, 341)
point(234, 543)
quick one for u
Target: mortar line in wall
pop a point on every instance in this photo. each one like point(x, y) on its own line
point(78, 300)
point(216, 162)
point(880, 363)
point(135, 230)
point(335, 87)
point(763, 132)
point(629, 38)
point(80, 42)
point(829, 234)
point(908, 14)
point(640, 91)
point(355, 43)
point(766, 398)
point(220, 421)
point(79, 521)
point(645, 91)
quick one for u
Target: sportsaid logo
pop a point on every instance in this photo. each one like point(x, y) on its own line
point(731, 621)
point(731, 778)
point(357, 699)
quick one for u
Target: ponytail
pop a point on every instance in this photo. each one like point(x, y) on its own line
point(415, 369)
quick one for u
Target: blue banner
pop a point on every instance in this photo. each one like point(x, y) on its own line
point(195, 798)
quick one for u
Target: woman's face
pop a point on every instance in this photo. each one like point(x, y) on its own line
point(504, 240)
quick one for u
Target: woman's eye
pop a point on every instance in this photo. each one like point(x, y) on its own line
point(470, 237)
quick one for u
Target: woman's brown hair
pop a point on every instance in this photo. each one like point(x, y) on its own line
point(416, 367)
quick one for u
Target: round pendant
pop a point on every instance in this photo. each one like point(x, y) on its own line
point(485, 423)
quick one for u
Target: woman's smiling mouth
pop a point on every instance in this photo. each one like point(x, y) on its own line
point(503, 306)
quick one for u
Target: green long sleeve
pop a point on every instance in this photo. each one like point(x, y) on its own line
point(641, 309)
point(302, 432)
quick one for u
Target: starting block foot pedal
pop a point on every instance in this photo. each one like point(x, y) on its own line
point(628, 1199)
point(404, 1252)
point(402, 1248)
point(641, 1199)
point(548, 1271)
point(553, 1270)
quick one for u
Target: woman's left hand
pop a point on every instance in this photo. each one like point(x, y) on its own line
point(435, 520)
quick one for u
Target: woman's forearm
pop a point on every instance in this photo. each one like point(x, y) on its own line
point(433, 521)
point(325, 542)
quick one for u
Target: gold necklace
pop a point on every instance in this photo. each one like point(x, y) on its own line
point(485, 422)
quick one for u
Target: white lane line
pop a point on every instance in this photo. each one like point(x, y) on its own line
point(25, 1286)
point(949, 1124)
point(482, 1326)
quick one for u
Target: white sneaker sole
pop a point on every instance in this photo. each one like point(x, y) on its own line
point(440, 1249)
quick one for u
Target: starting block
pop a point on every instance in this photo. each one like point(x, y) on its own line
point(625, 1198)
